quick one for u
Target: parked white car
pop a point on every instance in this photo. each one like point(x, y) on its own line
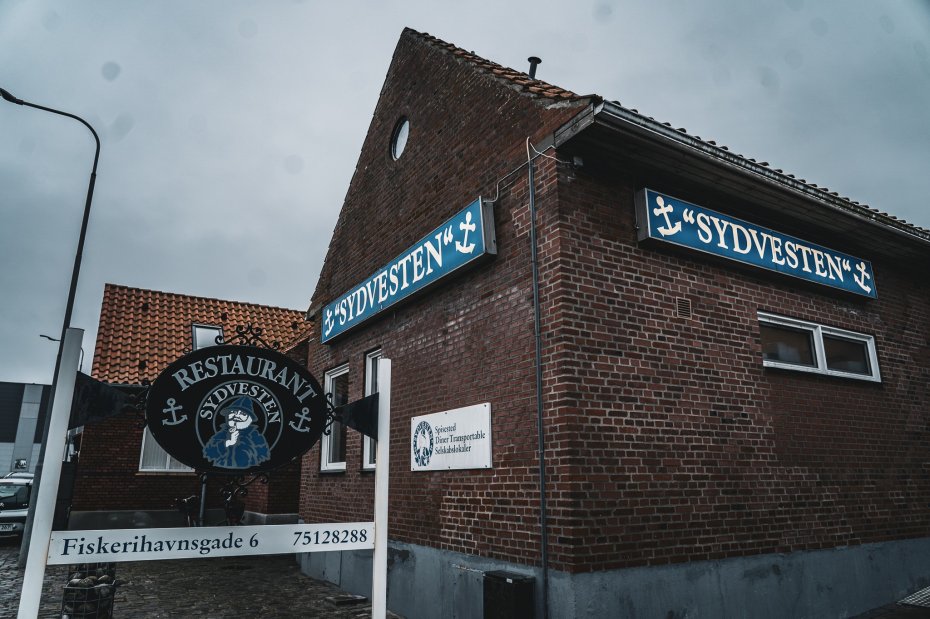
point(14, 503)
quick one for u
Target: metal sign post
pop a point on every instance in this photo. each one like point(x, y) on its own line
point(114, 545)
point(51, 467)
point(382, 473)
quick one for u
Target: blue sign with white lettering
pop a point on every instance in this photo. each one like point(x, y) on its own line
point(460, 241)
point(668, 219)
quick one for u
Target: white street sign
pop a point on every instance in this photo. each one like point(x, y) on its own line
point(115, 545)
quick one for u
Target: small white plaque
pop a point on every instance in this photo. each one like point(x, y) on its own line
point(456, 439)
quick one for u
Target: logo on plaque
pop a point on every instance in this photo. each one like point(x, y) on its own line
point(423, 443)
point(235, 409)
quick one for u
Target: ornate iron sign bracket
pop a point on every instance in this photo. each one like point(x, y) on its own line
point(233, 491)
point(249, 335)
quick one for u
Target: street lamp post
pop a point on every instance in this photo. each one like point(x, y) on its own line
point(69, 307)
point(55, 339)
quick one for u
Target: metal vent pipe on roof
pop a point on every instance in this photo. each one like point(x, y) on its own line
point(534, 62)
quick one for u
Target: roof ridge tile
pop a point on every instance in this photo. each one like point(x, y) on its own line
point(518, 78)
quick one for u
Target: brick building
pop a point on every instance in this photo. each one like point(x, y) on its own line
point(722, 436)
point(124, 475)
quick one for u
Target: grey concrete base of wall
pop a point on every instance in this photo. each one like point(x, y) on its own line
point(424, 583)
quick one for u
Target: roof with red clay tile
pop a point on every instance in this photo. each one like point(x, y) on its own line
point(142, 331)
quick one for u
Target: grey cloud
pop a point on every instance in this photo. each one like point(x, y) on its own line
point(231, 129)
point(110, 71)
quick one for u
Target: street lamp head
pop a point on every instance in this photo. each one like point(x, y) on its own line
point(6, 95)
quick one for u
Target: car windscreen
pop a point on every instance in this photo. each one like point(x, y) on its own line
point(14, 494)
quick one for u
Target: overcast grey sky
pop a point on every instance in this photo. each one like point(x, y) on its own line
point(230, 129)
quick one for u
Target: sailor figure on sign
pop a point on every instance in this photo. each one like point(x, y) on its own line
point(238, 444)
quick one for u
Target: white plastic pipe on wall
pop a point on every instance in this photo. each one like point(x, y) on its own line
point(382, 473)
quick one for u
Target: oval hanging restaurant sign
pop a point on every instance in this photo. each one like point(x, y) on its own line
point(235, 409)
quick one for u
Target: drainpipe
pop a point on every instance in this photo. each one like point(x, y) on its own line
point(540, 429)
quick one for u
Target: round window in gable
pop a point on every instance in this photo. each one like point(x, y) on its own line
point(399, 137)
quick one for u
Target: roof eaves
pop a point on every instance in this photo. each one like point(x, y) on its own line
point(305, 334)
point(616, 114)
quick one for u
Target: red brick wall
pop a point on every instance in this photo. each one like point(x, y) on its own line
point(109, 478)
point(108, 472)
point(666, 439)
point(683, 446)
point(464, 342)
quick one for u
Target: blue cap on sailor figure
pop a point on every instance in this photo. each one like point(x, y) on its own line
point(238, 444)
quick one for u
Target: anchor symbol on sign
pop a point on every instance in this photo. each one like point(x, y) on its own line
point(465, 247)
point(172, 409)
point(669, 228)
point(303, 415)
point(328, 321)
point(861, 280)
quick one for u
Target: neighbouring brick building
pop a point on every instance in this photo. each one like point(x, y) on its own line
point(124, 475)
point(723, 435)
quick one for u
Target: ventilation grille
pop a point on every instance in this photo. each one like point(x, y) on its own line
point(921, 598)
point(683, 307)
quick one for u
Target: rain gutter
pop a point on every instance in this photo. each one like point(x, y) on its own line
point(615, 117)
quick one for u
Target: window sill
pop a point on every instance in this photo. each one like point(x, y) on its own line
point(151, 473)
point(777, 365)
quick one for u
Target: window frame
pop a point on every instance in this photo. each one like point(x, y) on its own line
point(369, 445)
point(198, 325)
point(818, 331)
point(401, 130)
point(326, 465)
point(147, 436)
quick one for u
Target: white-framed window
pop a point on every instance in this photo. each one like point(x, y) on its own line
point(792, 344)
point(369, 445)
point(203, 336)
point(154, 458)
point(333, 446)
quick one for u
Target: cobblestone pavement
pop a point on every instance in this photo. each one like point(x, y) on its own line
point(262, 586)
point(896, 611)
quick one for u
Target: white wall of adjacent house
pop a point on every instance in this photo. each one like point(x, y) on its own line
point(8, 461)
point(6, 457)
point(24, 447)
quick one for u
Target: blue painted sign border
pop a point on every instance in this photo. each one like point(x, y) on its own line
point(462, 240)
point(663, 218)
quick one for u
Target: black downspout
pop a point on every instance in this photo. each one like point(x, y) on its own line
point(201, 520)
point(543, 517)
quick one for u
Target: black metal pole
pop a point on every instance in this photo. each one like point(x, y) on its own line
point(203, 501)
point(69, 309)
point(540, 418)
